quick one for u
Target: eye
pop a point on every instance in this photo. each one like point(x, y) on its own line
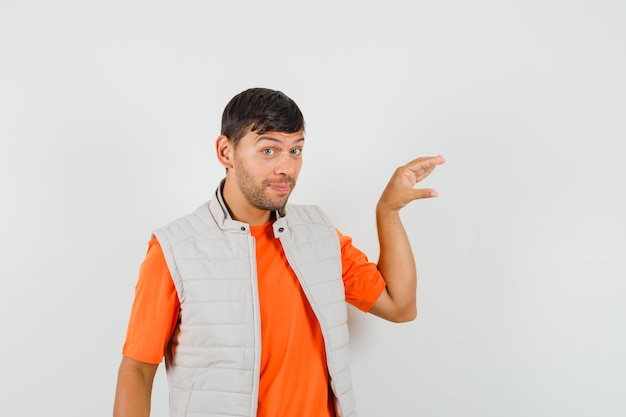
point(268, 151)
point(296, 151)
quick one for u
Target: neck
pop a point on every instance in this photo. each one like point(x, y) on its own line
point(239, 207)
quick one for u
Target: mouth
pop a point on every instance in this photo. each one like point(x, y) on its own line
point(280, 187)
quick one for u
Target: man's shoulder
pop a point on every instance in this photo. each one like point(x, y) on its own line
point(186, 227)
point(306, 213)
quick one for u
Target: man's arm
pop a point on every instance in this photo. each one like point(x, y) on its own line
point(398, 301)
point(134, 388)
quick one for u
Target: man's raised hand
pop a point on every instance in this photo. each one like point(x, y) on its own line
point(400, 192)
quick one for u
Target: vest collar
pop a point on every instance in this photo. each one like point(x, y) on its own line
point(219, 211)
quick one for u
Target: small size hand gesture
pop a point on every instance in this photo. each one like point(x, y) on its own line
point(400, 192)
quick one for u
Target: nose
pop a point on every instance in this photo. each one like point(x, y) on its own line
point(288, 165)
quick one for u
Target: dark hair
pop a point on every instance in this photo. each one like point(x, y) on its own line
point(262, 110)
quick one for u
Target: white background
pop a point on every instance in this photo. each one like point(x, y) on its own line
point(108, 115)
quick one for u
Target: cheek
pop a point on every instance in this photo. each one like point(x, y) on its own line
point(256, 166)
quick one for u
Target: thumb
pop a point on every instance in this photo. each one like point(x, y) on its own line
point(419, 193)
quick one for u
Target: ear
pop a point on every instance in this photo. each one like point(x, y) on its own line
point(225, 151)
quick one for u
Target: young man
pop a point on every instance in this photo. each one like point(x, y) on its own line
point(245, 297)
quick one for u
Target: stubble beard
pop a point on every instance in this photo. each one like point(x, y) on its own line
point(257, 194)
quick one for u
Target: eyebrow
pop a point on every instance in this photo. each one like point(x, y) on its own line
point(270, 138)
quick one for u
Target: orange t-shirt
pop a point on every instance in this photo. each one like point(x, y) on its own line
point(294, 376)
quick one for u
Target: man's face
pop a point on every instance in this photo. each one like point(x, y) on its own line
point(266, 167)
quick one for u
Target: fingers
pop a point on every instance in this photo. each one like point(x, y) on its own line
point(426, 162)
point(423, 166)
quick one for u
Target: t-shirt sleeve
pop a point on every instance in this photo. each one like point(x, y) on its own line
point(362, 280)
point(155, 309)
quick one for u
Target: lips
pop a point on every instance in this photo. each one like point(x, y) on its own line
point(284, 185)
point(280, 187)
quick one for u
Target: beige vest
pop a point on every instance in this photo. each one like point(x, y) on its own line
point(213, 359)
